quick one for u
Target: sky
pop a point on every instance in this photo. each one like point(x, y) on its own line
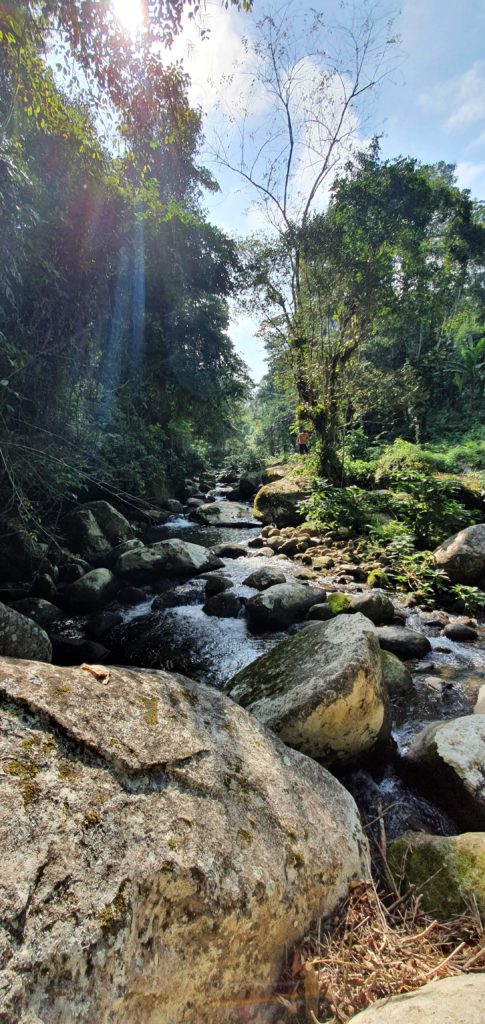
point(431, 105)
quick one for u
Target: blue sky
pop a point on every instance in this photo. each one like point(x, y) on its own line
point(432, 106)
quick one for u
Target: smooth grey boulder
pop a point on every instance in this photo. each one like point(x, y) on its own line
point(457, 1000)
point(452, 754)
point(375, 606)
point(173, 558)
point(42, 612)
point(160, 850)
point(281, 605)
point(21, 637)
point(224, 513)
point(321, 691)
point(229, 550)
point(320, 613)
point(463, 555)
point(404, 643)
point(261, 579)
point(109, 558)
point(91, 592)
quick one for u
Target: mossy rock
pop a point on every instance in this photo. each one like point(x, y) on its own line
point(378, 578)
point(278, 502)
point(446, 871)
point(338, 603)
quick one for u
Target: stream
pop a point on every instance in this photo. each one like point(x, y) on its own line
point(176, 635)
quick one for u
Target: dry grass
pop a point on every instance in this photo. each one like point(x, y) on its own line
point(375, 946)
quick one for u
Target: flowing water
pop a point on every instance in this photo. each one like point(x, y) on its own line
point(177, 635)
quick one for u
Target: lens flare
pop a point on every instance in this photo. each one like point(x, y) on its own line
point(130, 15)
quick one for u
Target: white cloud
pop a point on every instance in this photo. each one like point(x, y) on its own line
point(461, 98)
point(469, 175)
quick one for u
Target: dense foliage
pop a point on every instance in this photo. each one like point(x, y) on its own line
point(115, 364)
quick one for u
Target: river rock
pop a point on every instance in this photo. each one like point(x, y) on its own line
point(229, 550)
point(224, 513)
point(173, 506)
point(109, 558)
point(172, 558)
point(458, 631)
point(375, 606)
point(463, 555)
point(396, 677)
point(20, 555)
point(452, 754)
point(91, 592)
point(248, 485)
point(21, 637)
point(321, 691)
point(447, 872)
point(457, 1000)
point(101, 624)
point(281, 605)
point(160, 850)
point(217, 584)
point(278, 502)
point(113, 524)
point(40, 611)
point(67, 650)
point(405, 643)
point(225, 605)
point(261, 579)
point(84, 533)
point(320, 612)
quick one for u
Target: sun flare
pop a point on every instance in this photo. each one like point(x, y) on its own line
point(130, 15)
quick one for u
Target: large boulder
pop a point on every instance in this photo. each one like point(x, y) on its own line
point(320, 690)
point(463, 555)
point(375, 606)
point(278, 502)
point(452, 756)
point(281, 605)
point(248, 485)
point(20, 555)
point(457, 1000)
point(113, 524)
point(447, 872)
point(224, 513)
point(21, 637)
point(173, 558)
point(160, 850)
point(84, 535)
point(44, 613)
point(91, 592)
point(396, 676)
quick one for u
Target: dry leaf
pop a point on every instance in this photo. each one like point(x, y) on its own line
point(311, 987)
point(98, 671)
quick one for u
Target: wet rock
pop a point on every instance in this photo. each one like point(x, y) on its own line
point(225, 605)
point(224, 513)
point(405, 643)
point(281, 605)
point(99, 626)
point(69, 572)
point(40, 611)
point(261, 579)
point(266, 552)
point(396, 677)
point(130, 595)
point(321, 690)
point(457, 1000)
point(172, 558)
point(74, 650)
point(229, 550)
point(463, 555)
point(376, 607)
point(20, 555)
point(21, 637)
point(149, 824)
point(109, 558)
point(91, 592)
point(278, 502)
point(217, 584)
point(452, 754)
point(256, 542)
point(447, 872)
point(461, 633)
point(173, 506)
